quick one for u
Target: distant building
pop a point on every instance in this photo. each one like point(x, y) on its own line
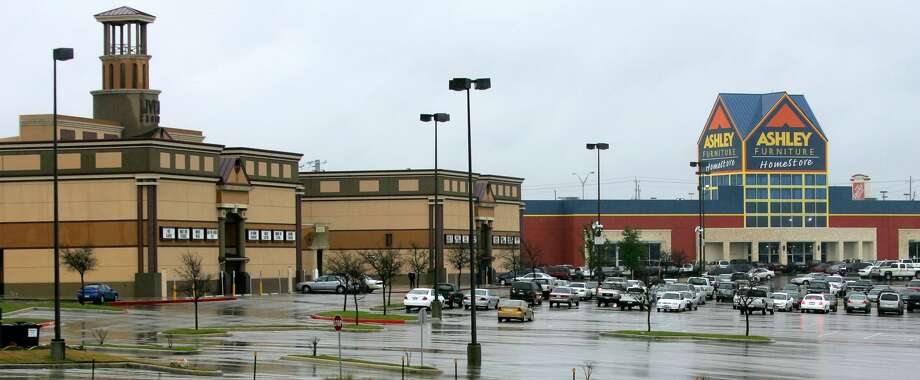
point(767, 199)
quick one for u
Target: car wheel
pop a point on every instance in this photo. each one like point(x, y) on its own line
point(771, 312)
point(658, 310)
point(802, 311)
point(805, 283)
point(306, 289)
point(834, 309)
point(339, 289)
point(848, 310)
point(499, 320)
point(408, 309)
point(466, 307)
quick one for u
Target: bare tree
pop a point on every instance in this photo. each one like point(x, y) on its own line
point(386, 264)
point(350, 267)
point(459, 257)
point(100, 333)
point(80, 260)
point(745, 297)
point(419, 261)
point(631, 254)
point(196, 283)
point(588, 369)
point(532, 255)
point(511, 260)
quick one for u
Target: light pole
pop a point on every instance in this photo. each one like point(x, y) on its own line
point(438, 256)
point(702, 231)
point(57, 344)
point(583, 180)
point(598, 147)
point(473, 349)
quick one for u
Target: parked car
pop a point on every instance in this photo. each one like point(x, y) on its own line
point(505, 279)
point(890, 302)
point(874, 292)
point(370, 284)
point(823, 287)
point(857, 301)
point(891, 271)
point(860, 286)
point(560, 272)
point(783, 301)
point(584, 292)
point(632, 297)
point(485, 299)
point(97, 293)
point(327, 283)
point(816, 303)
point(530, 276)
point(593, 286)
point(911, 298)
point(723, 264)
point(802, 279)
point(838, 286)
point(514, 309)
point(762, 274)
point(866, 271)
point(672, 301)
point(692, 297)
point(563, 294)
point(756, 298)
point(451, 295)
point(527, 291)
point(913, 284)
point(703, 285)
point(726, 292)
point(610, 293)
point(420, 298)
point(687, 269)
point(546, 286)
point(740, 276)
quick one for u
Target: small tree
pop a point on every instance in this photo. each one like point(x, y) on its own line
point(418, 261)
point(459, 257)
point(349, 266)
point(594, 254)
point(80, 260)
point(745, 299)
point(196, 283)
point(100, 333)
point(631, 254)
point(511, 260)
point(386, 264)
point(532, 256)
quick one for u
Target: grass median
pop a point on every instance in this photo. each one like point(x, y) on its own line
point(10, 306)
point(200, 331)
point(686, 335)
point(150, 347)
point(368, 315)
point(26, 320)
point(334, 360)
point(39, 357)
point(223, 330)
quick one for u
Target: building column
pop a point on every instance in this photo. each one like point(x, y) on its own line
point(841, 253)
point(726, 250)
point(152, 234)
point(140, 227)
point(783, 251)
point(241, 240)
point(298, 244)
point(755, 251)
point(221, 239)
point(859, 250)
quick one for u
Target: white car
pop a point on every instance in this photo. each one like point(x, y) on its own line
point(762, 274)
point(484, 299)
point(687, 268)
point(420, 298)
point(672, 301)
point(837, 284)
point(816, 303)
point(802, 279)
point(783, 301)
point(724, 264)
point(534, 276)
point(865, 272)
point(702, 284)
point(372, 284)
point(584, 292)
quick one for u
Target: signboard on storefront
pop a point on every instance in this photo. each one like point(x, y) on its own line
point(719, 147)
point(786, 141)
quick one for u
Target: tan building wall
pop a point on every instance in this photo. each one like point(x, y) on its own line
point(114, 199)
point(904, 238)
point(391, 214)
point(507, 218)
point(25, 201)
point(31, 271)
point(271, 205)
point(186, 200)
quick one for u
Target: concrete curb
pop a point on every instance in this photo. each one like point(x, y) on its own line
point(167, 301)
point(132, 365)
point(308, 327)
point(387, 367)
point(643, 337)
point(365, 320)
point(139, 350)
point(64, 310)
point(211, 335)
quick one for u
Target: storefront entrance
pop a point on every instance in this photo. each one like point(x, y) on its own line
point(800, 252)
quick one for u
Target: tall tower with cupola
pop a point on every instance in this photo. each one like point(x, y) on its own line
point(126, 96)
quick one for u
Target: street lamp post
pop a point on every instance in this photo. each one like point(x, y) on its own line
point(702, 230)
point(57, 344)
point(583, 180)
point(438, 248)
point(473, 349)
point(598, 227)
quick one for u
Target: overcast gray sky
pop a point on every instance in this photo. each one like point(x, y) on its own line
point(345, 81)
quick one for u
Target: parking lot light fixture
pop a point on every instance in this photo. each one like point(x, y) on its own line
point(57, 344)
point(701, 232)
point(438, 213)
point(598, 227)
point(473, 350)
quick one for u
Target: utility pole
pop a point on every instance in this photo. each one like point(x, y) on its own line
point(884, 194)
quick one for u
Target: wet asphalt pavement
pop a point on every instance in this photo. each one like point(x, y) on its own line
point(836, 345)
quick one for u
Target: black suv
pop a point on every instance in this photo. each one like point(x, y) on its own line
point(527, 291)
point(861, 286)
point(452, 296)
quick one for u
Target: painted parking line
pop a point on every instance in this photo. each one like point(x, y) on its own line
point(872, 336)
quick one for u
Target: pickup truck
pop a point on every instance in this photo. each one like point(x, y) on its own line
point(895, 270)
point(702, 285)
point(756, 299)
point(609, 293)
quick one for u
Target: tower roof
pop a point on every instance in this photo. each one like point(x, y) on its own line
point(748, 109)
point(121, 14)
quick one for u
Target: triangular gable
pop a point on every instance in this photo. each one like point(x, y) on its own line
point(786, 113)
point(484, 192)
point(785, 117)
point(718, 119)
point(232, 172)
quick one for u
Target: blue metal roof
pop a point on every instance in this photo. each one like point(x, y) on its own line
point(841, 202)
point(747, 110)
point(729, 202)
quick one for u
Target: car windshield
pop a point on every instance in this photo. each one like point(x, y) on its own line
point(511, 303)
point(779, 296)
point(865, 283)
point(677, 287)
point(92, 286)
point(697, 281)
point(562, 290)
point(914, 283)
point(577, 285)
point(419, 291)
point(482, 292)
point(876, 291)
point(757, 293)
point(611, 286)
point(834, 279)
point(592, 284)
point(856, 296)
point(888, 297)
point(521, 285)
point(671, 296)
point(726, 285)
point(812, 297)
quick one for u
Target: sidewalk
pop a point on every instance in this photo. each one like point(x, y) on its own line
point(168, 301)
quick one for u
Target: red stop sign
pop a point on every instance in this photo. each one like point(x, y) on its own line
point(337, 323)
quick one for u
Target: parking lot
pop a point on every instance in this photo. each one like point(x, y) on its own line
point(835, 345)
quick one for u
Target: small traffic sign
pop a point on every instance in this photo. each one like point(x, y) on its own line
point(337, 323)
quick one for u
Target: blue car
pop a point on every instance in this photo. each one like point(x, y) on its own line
point(97, 293)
